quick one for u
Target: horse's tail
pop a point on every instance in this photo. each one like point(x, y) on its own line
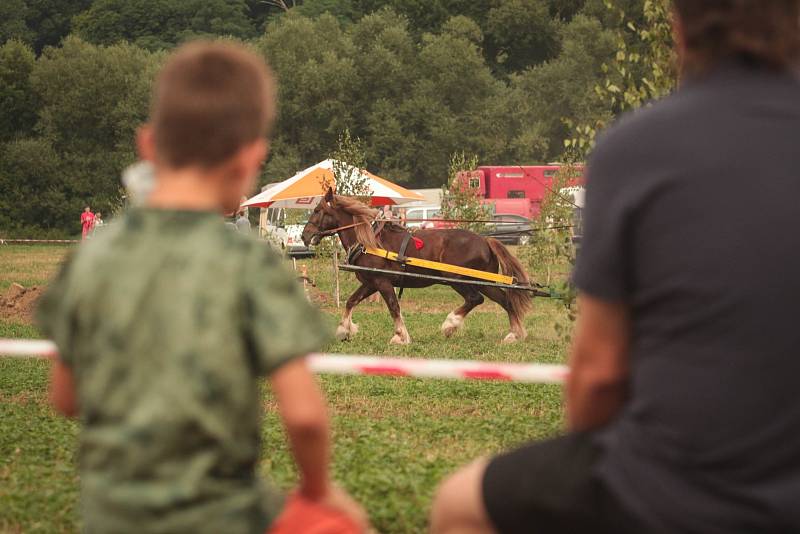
point(509, 265)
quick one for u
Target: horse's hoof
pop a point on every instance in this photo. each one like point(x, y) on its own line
point(397, 339)
point(342, 333)
point(353, 329)
point(452, 324)
point(510, 338)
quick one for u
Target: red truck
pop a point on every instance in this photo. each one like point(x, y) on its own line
point(513, 189)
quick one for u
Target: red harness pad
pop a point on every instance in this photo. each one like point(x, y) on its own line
point(418, 243)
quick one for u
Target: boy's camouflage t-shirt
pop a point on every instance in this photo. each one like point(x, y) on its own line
point(167, 320)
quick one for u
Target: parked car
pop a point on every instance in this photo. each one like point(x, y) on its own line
point(294, 241)
point(285, 237)
point(415, 213)
point(509, 228)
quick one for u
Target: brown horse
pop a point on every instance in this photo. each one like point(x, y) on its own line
point(355, 224)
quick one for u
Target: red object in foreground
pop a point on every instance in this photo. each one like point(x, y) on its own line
point(302, 515)
point(382, 370)
point(487, 374)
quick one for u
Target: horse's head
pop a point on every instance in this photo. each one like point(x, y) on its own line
point(323, 219)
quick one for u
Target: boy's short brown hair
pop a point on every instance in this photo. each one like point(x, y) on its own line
point(210, 99)
point(764, 32)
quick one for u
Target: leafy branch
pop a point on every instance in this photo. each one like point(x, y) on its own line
point(459, 199)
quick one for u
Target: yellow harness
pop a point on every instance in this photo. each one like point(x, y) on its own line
point(438, 266)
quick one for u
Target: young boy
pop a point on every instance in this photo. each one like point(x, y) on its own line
point(167, 320)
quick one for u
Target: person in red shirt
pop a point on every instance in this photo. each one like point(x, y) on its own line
point(87, 221)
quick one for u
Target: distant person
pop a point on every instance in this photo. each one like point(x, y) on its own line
point(682, 399)
point(166, 326)
point(243, 223)
point(87, 222)
point(98, 221)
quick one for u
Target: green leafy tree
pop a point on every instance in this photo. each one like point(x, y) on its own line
point(32, 201)
point(92, 100)
point(446, 107)
point(349, 164)
point(12, 21)
point(18, 101)
point(460, 201)
point(162, 24)
point(342, 10)
point(550, 253)
point(646, 71)
point(428, 16)
point(520, 34)
point(565, 9)
point(642, 70)
point(564, 88)
point(313, 59)
point(51, 20)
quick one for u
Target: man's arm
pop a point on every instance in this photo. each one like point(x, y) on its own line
point(304, 414)
point(62, 389)
point(598, 381)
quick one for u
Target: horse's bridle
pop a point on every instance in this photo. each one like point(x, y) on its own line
point(319, 234)
point(334, 231)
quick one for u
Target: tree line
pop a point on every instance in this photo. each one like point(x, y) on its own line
point(415, 81)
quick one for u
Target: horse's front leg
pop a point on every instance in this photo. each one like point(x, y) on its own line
point(347, 328)
point(400, 336)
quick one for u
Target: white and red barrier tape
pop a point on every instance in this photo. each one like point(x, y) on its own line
point(26, 241)
point(341, 364)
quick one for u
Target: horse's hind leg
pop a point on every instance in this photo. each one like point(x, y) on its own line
point(347, 328)
point(455, 319)
point(499, 296)
point(386, 289)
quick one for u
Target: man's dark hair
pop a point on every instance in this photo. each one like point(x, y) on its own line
point(763, 32)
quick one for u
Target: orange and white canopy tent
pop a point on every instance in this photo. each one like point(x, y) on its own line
point(305, 189)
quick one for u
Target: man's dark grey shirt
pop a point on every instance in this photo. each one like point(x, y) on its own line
point(693, 221)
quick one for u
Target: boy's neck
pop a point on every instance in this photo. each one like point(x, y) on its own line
point(186, 189)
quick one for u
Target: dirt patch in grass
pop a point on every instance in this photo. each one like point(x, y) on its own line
point(18, 303)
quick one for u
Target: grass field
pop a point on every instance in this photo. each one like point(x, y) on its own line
point(395, 438)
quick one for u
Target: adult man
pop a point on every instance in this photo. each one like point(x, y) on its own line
point(682, 400)
point(87, 222)
point(242, 222)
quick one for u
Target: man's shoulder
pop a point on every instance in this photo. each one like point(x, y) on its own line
point(649, 124)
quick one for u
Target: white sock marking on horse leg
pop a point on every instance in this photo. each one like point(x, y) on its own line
point(401, 336)
point(452, 323)
point(510, 338)
point(346, 328)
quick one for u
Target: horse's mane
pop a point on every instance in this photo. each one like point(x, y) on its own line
point(361, 214)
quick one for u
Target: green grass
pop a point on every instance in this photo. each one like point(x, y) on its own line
point(395, 438)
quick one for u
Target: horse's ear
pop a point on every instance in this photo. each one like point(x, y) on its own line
point(329, 195)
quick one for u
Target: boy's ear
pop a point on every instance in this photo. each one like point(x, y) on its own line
point(254, 155)
point(145, 143)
